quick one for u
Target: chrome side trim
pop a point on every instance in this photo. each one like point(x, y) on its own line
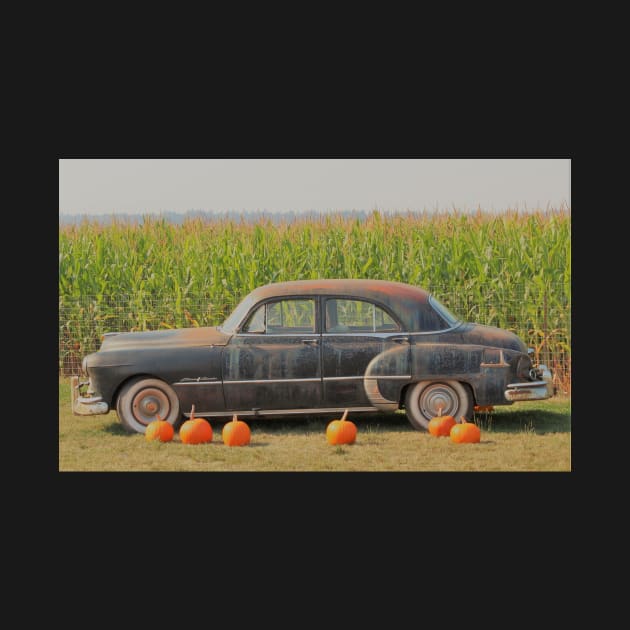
point(300, 380)
point(376, 335)
point(273, 380)
point(435, 332)
point(383, 336)
point(197, 383)
point(282, 412)
point(267, 335)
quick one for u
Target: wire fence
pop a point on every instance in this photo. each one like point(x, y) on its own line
point(538, 317)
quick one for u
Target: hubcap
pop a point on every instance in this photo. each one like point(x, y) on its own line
point(438, 400)
point(148, 403)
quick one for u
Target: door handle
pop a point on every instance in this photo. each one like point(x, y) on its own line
point(310, 342)
point(400, 339)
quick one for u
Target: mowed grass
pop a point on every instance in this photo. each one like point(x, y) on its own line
point(532, 436)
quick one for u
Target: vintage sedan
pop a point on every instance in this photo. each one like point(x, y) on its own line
point(313, 347)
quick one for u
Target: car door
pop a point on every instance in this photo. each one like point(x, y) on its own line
point(273, 361)
point(353, 333)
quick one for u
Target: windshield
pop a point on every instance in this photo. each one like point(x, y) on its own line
point(443, 312)
point(230, 324)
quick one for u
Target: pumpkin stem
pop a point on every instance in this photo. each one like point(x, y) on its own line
point(440, 410)
point(464, 421)
point(192, 412)
point(157, 415)
point(234, 418)
point(345, 415)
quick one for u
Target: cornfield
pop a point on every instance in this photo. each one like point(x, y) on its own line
point(511, 270)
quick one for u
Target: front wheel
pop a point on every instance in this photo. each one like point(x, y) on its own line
point(428, 399)
point(142, 399)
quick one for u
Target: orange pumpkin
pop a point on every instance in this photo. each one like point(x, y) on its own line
point(159, 430)
point(341, 431)
point(440, 426)
point(236, 433)
point(483, 408)
point(195, 430)
point(465, 432)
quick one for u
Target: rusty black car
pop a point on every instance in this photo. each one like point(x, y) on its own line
point(313, 347)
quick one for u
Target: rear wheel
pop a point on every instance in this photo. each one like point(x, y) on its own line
point(428, 399)
point(142, 399)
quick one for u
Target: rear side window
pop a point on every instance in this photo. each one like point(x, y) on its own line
point(444, 314)
point(357, 316)
point(430, 321)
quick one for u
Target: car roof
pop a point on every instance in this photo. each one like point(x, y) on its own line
point(402, 299)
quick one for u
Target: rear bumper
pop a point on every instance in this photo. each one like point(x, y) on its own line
point(532, 390)
point(83, 405)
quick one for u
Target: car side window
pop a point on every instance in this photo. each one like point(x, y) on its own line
point(429, 320)
point(355, 316)
point(285, 317)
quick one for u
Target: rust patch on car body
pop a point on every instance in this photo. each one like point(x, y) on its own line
point(180, 337)
point(367, 288)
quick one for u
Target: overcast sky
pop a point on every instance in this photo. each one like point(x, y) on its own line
point(105, 186)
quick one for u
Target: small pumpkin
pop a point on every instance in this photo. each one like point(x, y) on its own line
point(195, 430)
point(483, 408)
point(236, 433)
point(465, 432)
point(341, 431)
point(440, 426)
point(159, 430)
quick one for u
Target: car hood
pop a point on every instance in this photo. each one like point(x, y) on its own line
point(492, 336)
point(206, 336)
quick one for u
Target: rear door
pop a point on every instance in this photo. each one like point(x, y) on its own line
point(354, 332)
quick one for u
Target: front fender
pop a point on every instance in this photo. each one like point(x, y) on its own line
point(486, 370)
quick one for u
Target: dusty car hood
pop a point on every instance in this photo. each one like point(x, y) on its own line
point(179, 337)
point(491, 336)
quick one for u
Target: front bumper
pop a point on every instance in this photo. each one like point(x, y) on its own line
point(532, 390)
point(83, 405)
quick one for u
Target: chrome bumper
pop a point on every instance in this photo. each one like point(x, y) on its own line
point(84, 406)
point(532, 390)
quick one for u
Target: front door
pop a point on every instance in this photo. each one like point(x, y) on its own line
point(273, 362)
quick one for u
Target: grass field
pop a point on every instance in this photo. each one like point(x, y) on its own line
point(532, 436)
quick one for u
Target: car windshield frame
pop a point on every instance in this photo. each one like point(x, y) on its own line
point(231, 324)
